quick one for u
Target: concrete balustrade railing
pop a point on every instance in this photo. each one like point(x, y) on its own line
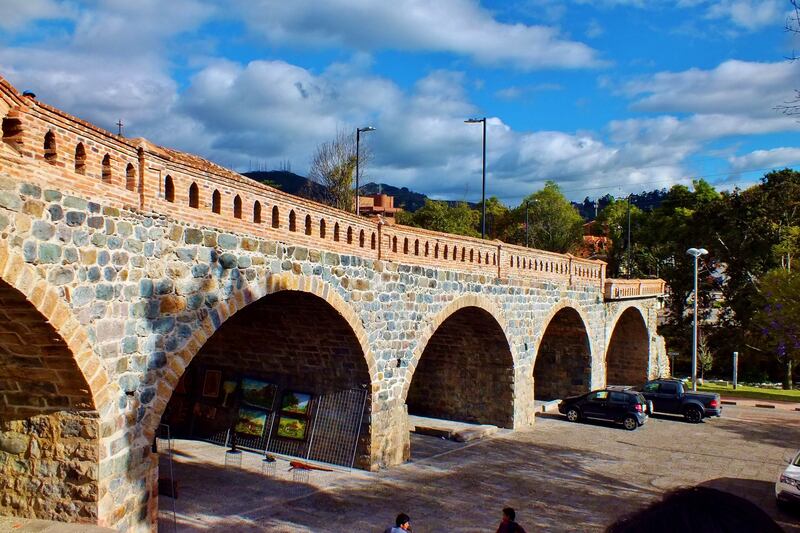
point(619, 289)
point(136, 174)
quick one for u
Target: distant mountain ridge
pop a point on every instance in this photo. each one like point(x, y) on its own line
point(412, 200)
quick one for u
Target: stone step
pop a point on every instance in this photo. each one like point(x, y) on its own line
point(449, 429)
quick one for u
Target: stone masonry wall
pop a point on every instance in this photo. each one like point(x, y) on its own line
point(466, 372)
point(151, 291)
point(49, 466)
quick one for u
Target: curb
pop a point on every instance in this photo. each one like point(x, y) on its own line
point(765, 405)
point(728, 402)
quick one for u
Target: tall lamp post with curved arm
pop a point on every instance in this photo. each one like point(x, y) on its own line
point(696, 253)
point(483, 194)
point(359, 131)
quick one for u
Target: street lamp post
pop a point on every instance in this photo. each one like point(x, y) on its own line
point(526, 224)
point(696, 253)
point(358, 142)
point(483, 194)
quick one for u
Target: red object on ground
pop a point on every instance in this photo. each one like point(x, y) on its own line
point(297, 465)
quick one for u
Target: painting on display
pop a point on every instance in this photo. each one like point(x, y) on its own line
point(295, 402)
point(258, 393)
point(292, 428)
point(251, 422)
point(211, 383)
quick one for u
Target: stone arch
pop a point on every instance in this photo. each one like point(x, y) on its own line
point(23, 277)
point(563, 363)
point(463, 365)
point(628, 350)
point(54, 389)
point(239, 300)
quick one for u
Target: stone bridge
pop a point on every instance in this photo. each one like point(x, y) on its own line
point(123, 263)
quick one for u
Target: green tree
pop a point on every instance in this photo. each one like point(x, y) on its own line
point(439, 216)
point(705, 359)
point(554, 223)
point(779, 318)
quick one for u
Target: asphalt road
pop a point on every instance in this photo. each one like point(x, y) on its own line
point(559, 476)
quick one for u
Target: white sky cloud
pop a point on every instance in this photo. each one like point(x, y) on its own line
point(116, 65)
point(456, 26)
point(773, 158)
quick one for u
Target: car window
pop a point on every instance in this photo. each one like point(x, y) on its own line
point(669, 388)
point(599, 395)
point(796, 461)
point(618, 397)
point(651, 387)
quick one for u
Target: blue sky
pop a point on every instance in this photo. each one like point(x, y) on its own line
point(601, 96)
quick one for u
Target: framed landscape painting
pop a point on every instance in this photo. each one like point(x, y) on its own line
point(251, 422)
point(295, 402)
point(292, 428)
point(258, 393)
point(211, 383)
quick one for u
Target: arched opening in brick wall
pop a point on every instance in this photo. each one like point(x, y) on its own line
point(628, 355)
point(288, 342)
point(80, 159)
point(130, 177)
point(50, 152)
point(563, 364)
point(169, 189)
point(194, 196)
point(276, 217)
point(12, 131)
point(257, 212)
point(49, 428)
point(106, 176)
point(237, 206)
point(308, 225)
point(322, 228)
point(292, 221)
point(216, 202)
point(466, 372)
point(336, 232)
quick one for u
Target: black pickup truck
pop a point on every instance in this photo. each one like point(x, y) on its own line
point(670, 396)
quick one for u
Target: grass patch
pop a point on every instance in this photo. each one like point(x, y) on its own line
point(756, 393)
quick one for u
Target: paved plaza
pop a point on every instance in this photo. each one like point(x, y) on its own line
point(559, 477)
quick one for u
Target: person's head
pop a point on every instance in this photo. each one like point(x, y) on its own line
point(402, 521)
point(697, 509)
point(509, 515)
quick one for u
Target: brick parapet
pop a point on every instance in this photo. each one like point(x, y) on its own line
point(153, 164)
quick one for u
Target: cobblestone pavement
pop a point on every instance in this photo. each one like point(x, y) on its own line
point(559, 476)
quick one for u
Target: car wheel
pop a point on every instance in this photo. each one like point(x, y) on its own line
point(630, 423)
point(573, 415)
point(693, 415)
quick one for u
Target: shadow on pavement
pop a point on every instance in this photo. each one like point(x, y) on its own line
point(553, 489)
point(762, 493)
